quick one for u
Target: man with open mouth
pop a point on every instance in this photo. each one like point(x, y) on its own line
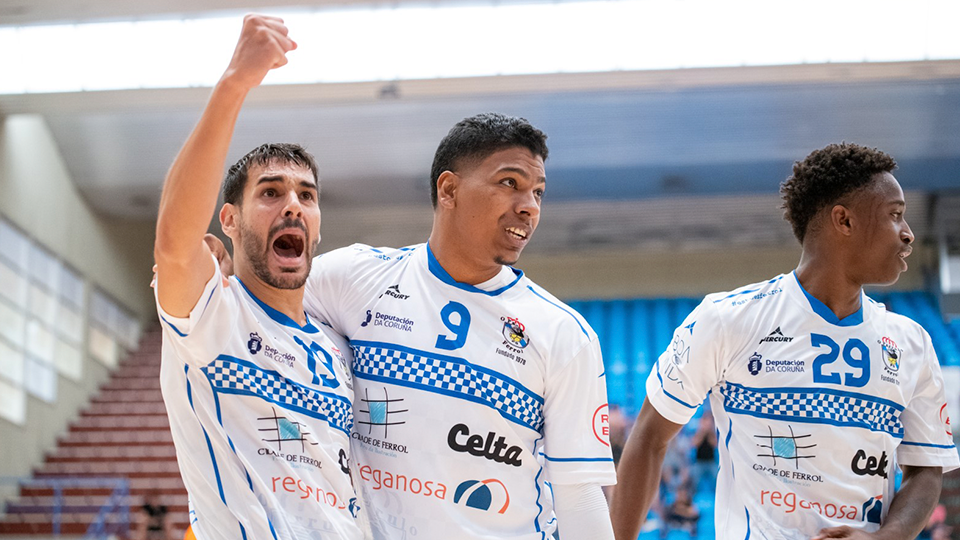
point(257, 392)
point(480, 398)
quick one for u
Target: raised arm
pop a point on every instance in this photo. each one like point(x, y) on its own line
point(190, 191)
point(638, 476)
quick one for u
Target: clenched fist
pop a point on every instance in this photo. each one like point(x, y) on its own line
point(263, 45)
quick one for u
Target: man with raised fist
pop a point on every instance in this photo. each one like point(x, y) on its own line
point(258, 395)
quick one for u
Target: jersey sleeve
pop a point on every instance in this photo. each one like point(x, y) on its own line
point(576, 442)
point(690, 367)
point(323, 296)
point(927, 441)
point(343, 281)
point(195, 337)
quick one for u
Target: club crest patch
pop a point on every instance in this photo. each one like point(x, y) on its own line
point(513, 332)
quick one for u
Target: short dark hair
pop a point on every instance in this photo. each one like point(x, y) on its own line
point(827, 175)
point(236, 178)
point(479, 136)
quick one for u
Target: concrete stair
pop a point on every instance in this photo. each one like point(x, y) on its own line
point(123, 432)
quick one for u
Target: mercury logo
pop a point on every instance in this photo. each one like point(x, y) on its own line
point(394, 291)
point(776, 337)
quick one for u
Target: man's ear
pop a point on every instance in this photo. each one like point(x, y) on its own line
point(447, 185)
point(841, 220)
point(229, 219)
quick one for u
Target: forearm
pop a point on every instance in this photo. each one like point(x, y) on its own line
point(637, 486)
point(913, 503)
point(638, 475)
point(192, 186)
point(582, 512)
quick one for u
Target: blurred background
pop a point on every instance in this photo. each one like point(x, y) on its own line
point(671, 124)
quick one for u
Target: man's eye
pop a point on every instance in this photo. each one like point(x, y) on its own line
point(510, 182)
point(269, 192)
point(307, 196)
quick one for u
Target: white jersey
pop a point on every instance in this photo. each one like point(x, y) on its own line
point(260, 411)
point(470, 400)
point(814, 413)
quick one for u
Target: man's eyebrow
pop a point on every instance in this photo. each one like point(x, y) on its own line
point(521, 172)
point(270, 179)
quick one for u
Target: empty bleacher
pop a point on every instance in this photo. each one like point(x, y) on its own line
point(123, 433)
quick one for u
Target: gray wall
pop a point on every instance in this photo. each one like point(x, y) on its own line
point(38, 195)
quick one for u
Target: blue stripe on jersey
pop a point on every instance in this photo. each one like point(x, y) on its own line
point(434, 266)
point(815, 405)
point(177, 330)
point(581, 459)
point(450, 376)
point(929, 445)
point(170, 324)
point(567, 311)
point(741, 293)
point(213, 457)
point(726, 442)
point(827, 314)
point(230, 375)
point(747, 537)
point(210, 297)
point(536, 483)
point(278, 317)
point(656, 368)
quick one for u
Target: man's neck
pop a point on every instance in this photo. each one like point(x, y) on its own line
point(461, 264)
point(286, 301)
point(824, 279)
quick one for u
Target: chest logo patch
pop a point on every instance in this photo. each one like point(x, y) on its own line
point(755, 363)
point(891, 355)
point(255, 343)
point(513, 332)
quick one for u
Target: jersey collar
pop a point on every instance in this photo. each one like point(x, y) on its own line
point(278, 317)
point(434, 266)
point(826, 313)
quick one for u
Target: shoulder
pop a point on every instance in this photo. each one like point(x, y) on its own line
point(565, 321)
point(747, 297)
point(738, 313)
point(895, 322)
point(364, 255)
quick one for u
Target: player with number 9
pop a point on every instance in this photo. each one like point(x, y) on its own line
point(476, 390)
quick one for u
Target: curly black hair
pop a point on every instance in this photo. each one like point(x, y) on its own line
point(479, 136)
point(827, 175)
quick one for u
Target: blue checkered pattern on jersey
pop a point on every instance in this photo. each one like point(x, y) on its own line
point(449, 376)
point(234, 376)
point(815, 405)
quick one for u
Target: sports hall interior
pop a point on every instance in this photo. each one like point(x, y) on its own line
point(662, 186)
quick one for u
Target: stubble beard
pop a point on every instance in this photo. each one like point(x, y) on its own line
point(503, 261)
point(256, 251)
